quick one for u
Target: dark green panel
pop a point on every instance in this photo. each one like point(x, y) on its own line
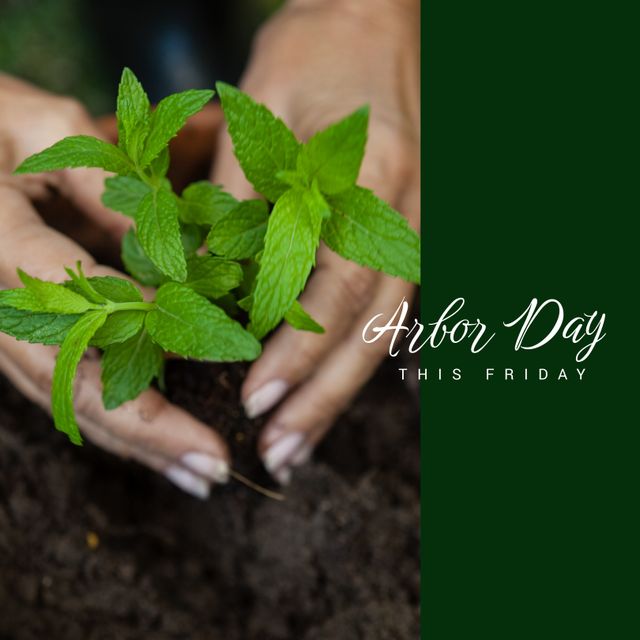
point(530, 189)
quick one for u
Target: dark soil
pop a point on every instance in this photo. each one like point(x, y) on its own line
point(92, 547)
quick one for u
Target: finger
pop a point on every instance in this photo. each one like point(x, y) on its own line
point(336, 293)
point(334, 296)
point(39, 396)
point(62, 117)
point(148, 429)
point(290, 436)
point(298, 425)
point(28, 243)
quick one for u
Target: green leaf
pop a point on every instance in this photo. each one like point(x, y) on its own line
point(239, 234)
point(263, 144)
point(160, 166)
point(82, 286)
point(73, 347)
point(169, 117)
point(159, 233)
point(41, 328)
point(44, 297)
point(119, 326)
point(188, 324)
point(333, 156)
point(110, 288)
point(289, 253)
point(137, 263)
point(192, 238)
point(298, 318)
point(133, 112)
point(294, 178)
point(116, 289)
point(212, 277)
point(78, 151)
point(128, 369)
point(124, 194)
point(205, 203)
point(365, 229)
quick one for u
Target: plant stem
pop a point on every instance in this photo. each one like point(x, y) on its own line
point(274, 495)
point(112, 307)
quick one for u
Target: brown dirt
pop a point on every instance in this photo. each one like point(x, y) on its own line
point(337, 561)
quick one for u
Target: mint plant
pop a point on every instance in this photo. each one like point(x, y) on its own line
point(210, 256)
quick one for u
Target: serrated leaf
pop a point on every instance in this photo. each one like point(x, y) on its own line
point(160, 166)
point(132, 112)
point(333, 156)
point(128, 369)
point(205, 203)
point(290, 247)
point(239, 234)
point(212, 277)
point(263, 144)
point(159, 233)
point(118, 327)
point(365, 229)
point(124, 194)
point(44, 297)
point(169, 117)
point(73, 347)
point(40, 328)
point(77, 151)
point(186, 323)
point(137, 263)
point(298, 318)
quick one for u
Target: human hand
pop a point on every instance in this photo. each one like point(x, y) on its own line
point(313, 63)
point(149, 429)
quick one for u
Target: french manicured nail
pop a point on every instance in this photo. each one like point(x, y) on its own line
point(207, 465)
point(299, 457)
point(283, 475)
point(265, 398)
point(281, 451)
point(189, 482)
point(302, 455)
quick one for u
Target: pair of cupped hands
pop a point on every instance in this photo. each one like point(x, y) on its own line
point(312, 64)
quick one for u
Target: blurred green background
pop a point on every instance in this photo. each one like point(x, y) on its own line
point(77, 47)
point(48, 43)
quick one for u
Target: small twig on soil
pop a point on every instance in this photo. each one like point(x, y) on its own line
point(274, 495)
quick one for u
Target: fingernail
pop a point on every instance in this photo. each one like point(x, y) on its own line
point(187, 481)
point(207, 465)
point(265, 398)
point(302, 455)
point(281, 450)
point(283, 475)
point(299, 457)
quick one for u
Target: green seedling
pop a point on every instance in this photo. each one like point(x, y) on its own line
point(209, 256)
